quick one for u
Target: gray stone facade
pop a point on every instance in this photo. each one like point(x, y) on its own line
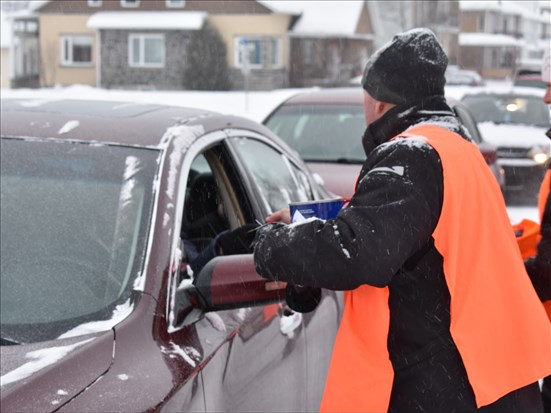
point(117, 73)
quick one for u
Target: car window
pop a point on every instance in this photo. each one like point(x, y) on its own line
point(509, 109)
point(74, 225)
point(324, 133)
point(204, 214)
point(468, 121)
point(276, 178)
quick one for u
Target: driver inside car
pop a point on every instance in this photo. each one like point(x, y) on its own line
point(205, 234)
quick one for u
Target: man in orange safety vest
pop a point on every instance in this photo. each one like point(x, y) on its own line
point(440, 315)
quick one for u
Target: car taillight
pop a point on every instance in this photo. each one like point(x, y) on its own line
point(490, 155)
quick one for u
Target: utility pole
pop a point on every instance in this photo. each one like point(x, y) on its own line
point(245, 49)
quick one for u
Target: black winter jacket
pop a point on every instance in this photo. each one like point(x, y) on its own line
point(539, 268)
point(384, 236)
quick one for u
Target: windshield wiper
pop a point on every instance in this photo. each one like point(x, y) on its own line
point(5, 341)
point(348, 161)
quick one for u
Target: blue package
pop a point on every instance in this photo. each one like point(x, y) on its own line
point(324, 209)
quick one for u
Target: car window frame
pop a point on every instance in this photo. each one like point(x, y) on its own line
point(216, 148)
point(233, 173)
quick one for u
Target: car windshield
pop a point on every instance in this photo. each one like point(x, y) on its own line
point(322, 133)
point(508, 109)
point(74, 226)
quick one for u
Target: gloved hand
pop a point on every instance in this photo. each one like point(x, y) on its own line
point(236, 241)
point(302, 299)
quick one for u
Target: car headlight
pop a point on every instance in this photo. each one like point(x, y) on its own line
point(539, 153)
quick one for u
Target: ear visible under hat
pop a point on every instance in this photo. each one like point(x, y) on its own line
point(408, 68)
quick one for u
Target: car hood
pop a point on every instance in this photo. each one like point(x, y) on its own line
point(339, 178)
point(520, 136)
point(41, 377)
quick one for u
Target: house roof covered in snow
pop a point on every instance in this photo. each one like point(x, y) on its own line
point(158, 20)
point(321, 18)
point(488, 39)
point(526, 9)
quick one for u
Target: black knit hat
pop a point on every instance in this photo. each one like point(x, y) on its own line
point(408, 68)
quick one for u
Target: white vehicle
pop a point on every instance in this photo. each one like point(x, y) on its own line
point(516, 123)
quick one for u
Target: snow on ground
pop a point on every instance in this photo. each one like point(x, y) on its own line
point(255, 105)
point(518, 213)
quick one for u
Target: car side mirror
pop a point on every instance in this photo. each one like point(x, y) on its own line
point(231, 281)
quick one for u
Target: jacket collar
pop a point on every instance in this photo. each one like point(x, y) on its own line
point(402, 117)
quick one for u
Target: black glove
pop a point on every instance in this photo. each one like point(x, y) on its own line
point(236, 241)
point(302, 299)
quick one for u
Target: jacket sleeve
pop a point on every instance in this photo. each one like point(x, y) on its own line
point(539, 268)
point(391, 216)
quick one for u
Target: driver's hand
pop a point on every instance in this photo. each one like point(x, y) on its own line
point(283, 216)
point(236, 241)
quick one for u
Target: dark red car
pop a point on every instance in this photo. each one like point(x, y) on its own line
point(100, 311)
point(326, 126)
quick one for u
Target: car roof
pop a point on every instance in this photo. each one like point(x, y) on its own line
point(124, 123)
point(351, 95)
point(516, 93)
point(343, 95)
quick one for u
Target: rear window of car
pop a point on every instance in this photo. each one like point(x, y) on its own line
point(74, 224)
point(530, 81)
point(508, 109)
point(322, 133)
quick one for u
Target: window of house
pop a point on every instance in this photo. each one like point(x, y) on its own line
point(76, 50)
point(146, 50)
point(257, 51)
point(480, 23)
point(130, 3)
point(175, 3)
point(31, 26)
point(25, 26)
point(94, 3)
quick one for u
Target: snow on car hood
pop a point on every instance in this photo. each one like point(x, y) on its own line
point(43, 376)
point(520, 136)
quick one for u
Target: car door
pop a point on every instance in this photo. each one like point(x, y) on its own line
point(251, 358)
point(278, 180)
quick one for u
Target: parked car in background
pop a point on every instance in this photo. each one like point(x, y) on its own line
point(529, 78)
point(326, 128)
point(516, 123)
point(488, 150)
point(456, 76)
point(100, 310)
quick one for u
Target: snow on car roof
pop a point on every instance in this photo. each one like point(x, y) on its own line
point(137, 124)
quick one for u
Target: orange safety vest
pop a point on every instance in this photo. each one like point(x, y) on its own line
point(528, 237)
point(497, 322)
point(545, 188)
